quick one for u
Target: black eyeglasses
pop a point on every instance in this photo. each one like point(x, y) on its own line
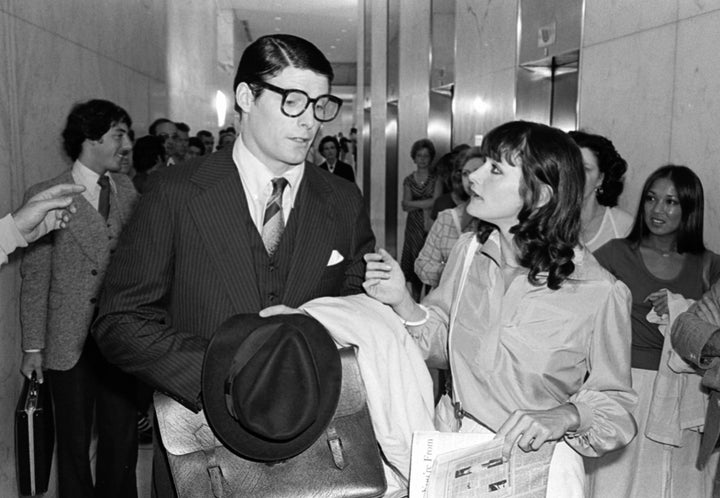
point(294, 102)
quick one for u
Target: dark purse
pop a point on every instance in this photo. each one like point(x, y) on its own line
point(34, 437)
point(343, 462)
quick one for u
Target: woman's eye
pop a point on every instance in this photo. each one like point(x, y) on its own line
point(495, 170)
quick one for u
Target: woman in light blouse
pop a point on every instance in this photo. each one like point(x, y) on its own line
point(448, 227)
point(530, 324)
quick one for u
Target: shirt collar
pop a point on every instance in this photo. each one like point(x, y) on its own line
point(584, 269)
point(88, 178)
point(255, 175)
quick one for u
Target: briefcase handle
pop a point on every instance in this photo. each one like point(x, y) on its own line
point(31, 401)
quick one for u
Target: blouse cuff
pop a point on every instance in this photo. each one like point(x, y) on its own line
point(586, 418)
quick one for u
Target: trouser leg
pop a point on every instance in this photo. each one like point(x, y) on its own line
point(73, 393)
point(116, 419)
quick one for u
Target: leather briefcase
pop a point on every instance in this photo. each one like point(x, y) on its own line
point(344, 462)
point(34, 438)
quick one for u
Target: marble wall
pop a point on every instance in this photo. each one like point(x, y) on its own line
point(652, 83)
point(649, 80)
point(485, 53)
point(194, 73)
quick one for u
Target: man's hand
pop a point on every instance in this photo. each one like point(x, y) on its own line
point(530, 429)
point(32, 362)
point(280, 309)
point(46, 211)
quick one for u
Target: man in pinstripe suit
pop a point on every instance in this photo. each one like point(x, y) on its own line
point(196, 250)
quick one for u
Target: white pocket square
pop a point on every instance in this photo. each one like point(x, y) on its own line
point(335, 258)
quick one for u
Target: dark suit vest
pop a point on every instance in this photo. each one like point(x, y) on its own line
point(271, 273)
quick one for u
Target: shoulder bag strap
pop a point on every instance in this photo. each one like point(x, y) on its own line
point(469, 256)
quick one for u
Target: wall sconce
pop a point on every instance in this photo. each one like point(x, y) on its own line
point(480, 106)
point(221, 104)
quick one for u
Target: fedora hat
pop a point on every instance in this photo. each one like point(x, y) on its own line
point(270, 386)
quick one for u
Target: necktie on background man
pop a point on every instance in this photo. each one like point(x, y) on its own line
point(104, 199)
point(273, 222)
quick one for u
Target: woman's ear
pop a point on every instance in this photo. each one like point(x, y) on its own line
point(546, 193)
point(244, 96)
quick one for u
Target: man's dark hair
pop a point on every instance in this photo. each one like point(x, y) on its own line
point(268, 55)
point(146, 151)
point(153, 127)
point(196, 142)
point(90, 121)
point(182, 127)
point(204, 133)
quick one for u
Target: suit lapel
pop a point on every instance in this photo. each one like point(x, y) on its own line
point(218, 214)
point(313, 241)
point(87, 227)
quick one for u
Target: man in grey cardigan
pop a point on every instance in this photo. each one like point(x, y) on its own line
point(62, 275)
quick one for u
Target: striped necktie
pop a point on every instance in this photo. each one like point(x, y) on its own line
point(274, 223)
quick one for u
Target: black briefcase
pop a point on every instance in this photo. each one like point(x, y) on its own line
point(34, 438)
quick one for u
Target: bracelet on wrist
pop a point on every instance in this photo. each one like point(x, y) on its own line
point(417, 323)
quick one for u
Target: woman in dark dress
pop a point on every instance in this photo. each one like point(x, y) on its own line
point(420, 189)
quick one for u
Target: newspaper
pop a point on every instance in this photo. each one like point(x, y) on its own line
point(471, 465)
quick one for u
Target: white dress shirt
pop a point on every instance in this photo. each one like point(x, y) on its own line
point(257, 182)
point(82, 175)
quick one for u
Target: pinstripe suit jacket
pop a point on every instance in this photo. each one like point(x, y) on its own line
point(63, 271)
point(184, 265)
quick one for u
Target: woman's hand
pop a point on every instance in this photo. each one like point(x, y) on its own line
point(659, 301)
point(530, 429)
point(384, 280)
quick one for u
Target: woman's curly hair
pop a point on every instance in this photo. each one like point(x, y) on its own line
point(610, 163)
point(548, 226)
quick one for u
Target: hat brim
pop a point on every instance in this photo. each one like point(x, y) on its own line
point(216, 364)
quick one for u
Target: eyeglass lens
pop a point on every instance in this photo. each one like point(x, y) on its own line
point(324, 108)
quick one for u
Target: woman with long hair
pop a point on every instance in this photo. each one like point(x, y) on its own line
point(664, 255)
point(529, 323)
